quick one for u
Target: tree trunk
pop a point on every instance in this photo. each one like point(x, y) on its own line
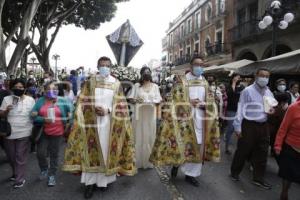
point(42, 56)
point(45, 63)
point(24, 61)
point(23, 39)
point(17, 56)
point(3, 65)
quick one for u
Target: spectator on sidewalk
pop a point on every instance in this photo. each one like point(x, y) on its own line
point(287, 147)
point(55, 115)
point(64, 90)
point(294, 92)
point(74, 80)
point(275, 120)
point(17, 108)
point(233, 92)
point(223, 109)
point(3, 93)
point(252, 129)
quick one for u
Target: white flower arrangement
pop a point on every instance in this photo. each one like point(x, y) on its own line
point(125, 73)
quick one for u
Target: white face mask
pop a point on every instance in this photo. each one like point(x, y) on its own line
point(281, 88)
point(262, 82)
point(104, 71)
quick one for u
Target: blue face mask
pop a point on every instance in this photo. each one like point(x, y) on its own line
point(104, 71)
point(198, 71)
point(32, 90)
point(262, 82)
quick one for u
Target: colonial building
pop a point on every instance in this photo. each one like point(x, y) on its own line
point(250, 42)
point(202, 28)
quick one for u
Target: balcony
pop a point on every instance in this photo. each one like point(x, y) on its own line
point(211, 50)
point(183, 60)
point(217, 49)
point(245, 31)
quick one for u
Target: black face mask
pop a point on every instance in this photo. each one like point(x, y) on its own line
point(18, 92)
point(147, 77)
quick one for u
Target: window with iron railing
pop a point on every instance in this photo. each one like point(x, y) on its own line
point(217, 48)
point(245, 30)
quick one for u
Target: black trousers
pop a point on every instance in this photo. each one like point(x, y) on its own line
point(48, 144)
point(253, 144)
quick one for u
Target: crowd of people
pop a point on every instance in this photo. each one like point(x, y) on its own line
point(178, 124)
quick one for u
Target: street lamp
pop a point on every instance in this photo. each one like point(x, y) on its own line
point(33, 59)
point(277, 16)
point(56, 57)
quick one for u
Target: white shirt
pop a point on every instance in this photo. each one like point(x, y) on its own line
point(70, 95)
point(151, 96)
point(197, 92)
point(19, 116)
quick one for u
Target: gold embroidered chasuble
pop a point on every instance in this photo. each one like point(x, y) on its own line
point(83, 152)
point(176, 141)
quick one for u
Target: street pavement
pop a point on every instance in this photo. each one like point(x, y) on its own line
point(153, 184)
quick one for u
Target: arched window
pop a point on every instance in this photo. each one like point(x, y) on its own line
point(208, 46)
point(208, 12)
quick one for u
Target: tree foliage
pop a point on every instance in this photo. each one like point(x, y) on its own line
point(52, 15)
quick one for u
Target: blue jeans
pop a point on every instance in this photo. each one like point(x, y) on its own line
point(229, 128)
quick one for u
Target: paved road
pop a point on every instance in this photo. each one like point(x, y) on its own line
point(147, 185)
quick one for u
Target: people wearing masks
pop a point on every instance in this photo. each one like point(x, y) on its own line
point(17, 108)
point(64, 90)
point(275, 120)
point(31, 88)
point(251, 128)
point(145, 95)
point(287, 147)
point(54, 114)
point(101, 143)
point(31, 75)
point(3, 93)
point(185, 136)
point(74, 81)
point(233, 92)
point(281, 88)
point(215, 90)
point(294, 92)
point(163, 88)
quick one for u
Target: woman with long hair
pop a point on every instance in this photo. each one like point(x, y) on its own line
point(145, 95)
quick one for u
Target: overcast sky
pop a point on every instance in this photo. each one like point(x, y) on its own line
point(150, 18)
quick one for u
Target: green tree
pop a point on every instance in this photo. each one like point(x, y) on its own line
point(29, 22)
point(52, 15)
point(15, 22)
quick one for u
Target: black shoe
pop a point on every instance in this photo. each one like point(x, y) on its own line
point(234, 177)
point(228, 152)
point(19, 185)
point(174, 172)
point(89, 190)
point(193, 181)
point(262, 184)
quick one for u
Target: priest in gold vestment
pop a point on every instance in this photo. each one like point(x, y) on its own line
point(101, 144)
point(189, 131)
